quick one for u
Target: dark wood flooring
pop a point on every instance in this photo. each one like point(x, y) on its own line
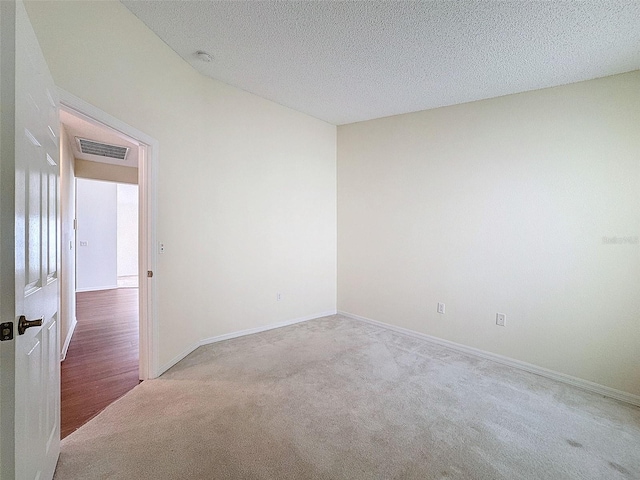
point(102, 359)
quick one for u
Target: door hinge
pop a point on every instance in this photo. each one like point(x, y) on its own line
point(6, 331)
point(149, 273)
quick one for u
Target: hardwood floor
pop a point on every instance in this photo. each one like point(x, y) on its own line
point(102, 359)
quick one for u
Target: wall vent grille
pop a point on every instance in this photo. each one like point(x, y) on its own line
point(102, 149)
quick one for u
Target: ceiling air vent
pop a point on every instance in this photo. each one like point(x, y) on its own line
point(102, 149)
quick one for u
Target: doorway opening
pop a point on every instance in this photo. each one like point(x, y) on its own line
point(107, 229)
point(101, 362)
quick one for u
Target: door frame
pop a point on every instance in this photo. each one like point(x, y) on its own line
point(147, 201)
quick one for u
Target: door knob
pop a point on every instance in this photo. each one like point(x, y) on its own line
point(23, 324)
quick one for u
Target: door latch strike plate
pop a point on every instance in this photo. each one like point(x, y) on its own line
point(6, 331)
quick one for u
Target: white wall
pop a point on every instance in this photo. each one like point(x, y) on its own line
point(246, 187)
point(127, 230)
point(502, 206)
point(96, 261)
point(67, 240)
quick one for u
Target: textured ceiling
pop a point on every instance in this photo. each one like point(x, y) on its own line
point(79, 127)
point(345, 62)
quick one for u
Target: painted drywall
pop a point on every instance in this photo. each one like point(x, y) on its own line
point(246, 187)
point(106, 171)
point(527, 204)
point(127, 230)
point(96, 235)
point(67, 241)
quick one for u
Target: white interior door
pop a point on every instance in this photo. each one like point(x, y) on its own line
point(32, 389)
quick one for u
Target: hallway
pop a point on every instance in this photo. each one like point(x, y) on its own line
point(102, 360)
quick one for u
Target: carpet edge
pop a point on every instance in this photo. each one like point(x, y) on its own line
point(587, 385)
point(240, 333)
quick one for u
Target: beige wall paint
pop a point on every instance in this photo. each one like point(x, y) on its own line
point(246, 187)
point(501, 206)
point(106, 172)
point(67, 238)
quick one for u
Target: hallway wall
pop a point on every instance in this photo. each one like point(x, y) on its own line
point(127, 230)
point(67, 241)
point(97, 254)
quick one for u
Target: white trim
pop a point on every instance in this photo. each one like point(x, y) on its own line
point(150, 328)
point(67, 341)
point(527, 367)
point(179, 357)
point(241, 333)
point(93, 113)
point(251, 331)
point(147, 182)
point(95, 289)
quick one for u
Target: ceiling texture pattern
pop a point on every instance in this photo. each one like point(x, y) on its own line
point(345, 62)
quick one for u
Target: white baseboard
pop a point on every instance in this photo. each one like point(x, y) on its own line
point(177, 358)
point(67, 340)
point(241, 333)
point(527, 367)
point(95, 289)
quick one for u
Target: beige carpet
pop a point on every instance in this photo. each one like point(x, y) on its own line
point(335, 398)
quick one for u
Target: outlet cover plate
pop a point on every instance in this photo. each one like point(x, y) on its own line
point(501, 319)
point(441, 308)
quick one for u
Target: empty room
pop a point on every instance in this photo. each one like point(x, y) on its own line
point(390, 240)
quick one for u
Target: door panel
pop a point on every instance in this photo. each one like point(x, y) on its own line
point(37, 365)
point(52, 385)
point(52, 225)
point(31, 414)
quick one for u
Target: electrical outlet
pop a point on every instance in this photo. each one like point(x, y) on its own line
point(501, 319)
point(84, 243)
point(278, 297)
point(160, 247)
point(441, 308)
